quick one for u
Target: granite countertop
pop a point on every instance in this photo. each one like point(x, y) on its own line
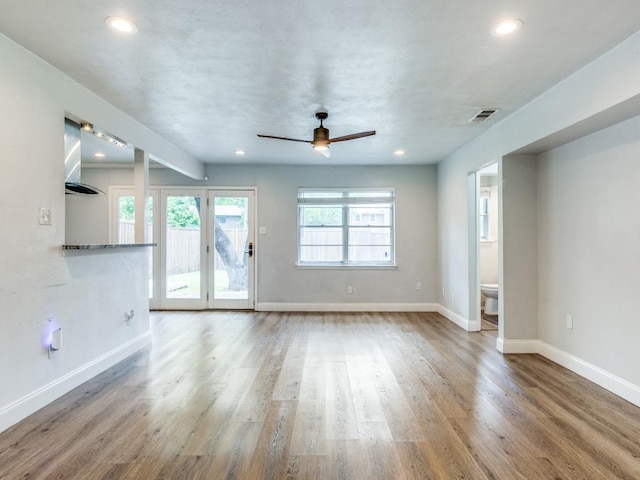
point(102, 246)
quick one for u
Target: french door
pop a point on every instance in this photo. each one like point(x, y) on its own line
point(205, 256)
point(231, 248)
point(122, 230)
point(183, 282)
point(208, 249)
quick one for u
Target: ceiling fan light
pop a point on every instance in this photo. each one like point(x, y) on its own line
point(321, 148)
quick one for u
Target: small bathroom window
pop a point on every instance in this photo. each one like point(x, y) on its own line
point(485, 200)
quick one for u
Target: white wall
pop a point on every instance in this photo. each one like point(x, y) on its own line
point(589, 248)
point(86, 295)
point(280, 283)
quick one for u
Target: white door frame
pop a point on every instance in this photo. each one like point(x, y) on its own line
point(115, 192)
point(475, 295)
point(199, 303)
point(159, 194)
point(250, 302)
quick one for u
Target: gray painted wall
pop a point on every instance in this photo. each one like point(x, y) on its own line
point(279, 280)
point(590, 99)
point(589, 248)
point(518, 238)
point(595, 277)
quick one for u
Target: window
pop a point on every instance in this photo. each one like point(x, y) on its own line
point(485, 201)
point(346, 226)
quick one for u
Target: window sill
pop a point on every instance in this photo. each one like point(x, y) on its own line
point(334, 266)
point(487, 241)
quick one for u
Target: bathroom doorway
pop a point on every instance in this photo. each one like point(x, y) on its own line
point(487, 242)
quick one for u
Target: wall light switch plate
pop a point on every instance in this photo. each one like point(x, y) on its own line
point(570, 322)
point(262, 230)
point(55, 343)
point(45, 216)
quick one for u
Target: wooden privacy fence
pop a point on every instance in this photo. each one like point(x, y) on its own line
point(183, 245)
point(324, 244)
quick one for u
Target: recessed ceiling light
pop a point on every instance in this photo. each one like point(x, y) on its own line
point(398, 153)
point(240, 152)
point(98, 155)
point(121, 24)
point(507, 27)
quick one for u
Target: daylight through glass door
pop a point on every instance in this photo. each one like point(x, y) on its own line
point(182, 247)
point(233, 249)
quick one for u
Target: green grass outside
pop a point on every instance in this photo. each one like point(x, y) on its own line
point(187, 285)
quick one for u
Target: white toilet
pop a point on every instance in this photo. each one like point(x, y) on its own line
point(490, 290)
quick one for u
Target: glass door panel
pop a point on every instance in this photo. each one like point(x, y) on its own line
point(123, 230)
point(233, 249)
point(183, 251)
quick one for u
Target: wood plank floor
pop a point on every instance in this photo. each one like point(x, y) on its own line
point(243, 395)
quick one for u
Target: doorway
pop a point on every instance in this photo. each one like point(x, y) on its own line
point(488, 238)
point(232, 249)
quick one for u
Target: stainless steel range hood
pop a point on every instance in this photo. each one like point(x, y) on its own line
point(73, 162)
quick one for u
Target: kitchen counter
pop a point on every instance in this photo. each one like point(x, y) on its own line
point(104, 246)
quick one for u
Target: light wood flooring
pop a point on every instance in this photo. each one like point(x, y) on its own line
point(243, 395)
point(488, 326)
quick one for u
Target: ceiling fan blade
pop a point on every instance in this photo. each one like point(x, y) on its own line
point(353, 136)
point(284, 138)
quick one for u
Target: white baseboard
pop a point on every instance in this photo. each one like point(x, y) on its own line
point(597, 375)
point(517, 346)
point(25, 406)
point(344, 307)
point(468, 325)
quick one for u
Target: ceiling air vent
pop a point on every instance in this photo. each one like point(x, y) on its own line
point(483, 115)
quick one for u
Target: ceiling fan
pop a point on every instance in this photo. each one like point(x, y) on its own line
point(321, 140)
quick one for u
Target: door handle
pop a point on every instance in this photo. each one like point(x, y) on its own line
point(250, 251)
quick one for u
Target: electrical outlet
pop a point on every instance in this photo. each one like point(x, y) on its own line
point(419, 286)
point(45, 216)
point(570, 322)
point(349, 289)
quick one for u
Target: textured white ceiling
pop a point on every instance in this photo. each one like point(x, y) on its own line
point(209, 75)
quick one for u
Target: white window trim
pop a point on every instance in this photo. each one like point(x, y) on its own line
point(345, 201)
